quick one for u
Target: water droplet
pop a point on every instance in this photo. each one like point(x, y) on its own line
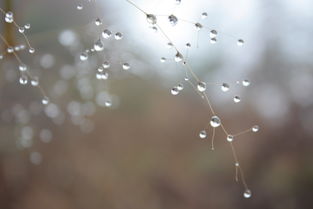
point(45, 100)
point(213, 40)
point(203, 134)
point(106, 33)
point(106, 65)
point(215, 121)
point(198, 26)
point(255, 128)
point(237, 164)
point(173, 20)
point(174, 91)
point(225, 87)
point(246, 83)
point(118, 36)
point(213, 34)
point(108, 103)
point(21, 29)
point(188, 45)
point(151, 19)
point(34, 81)
point(31, 50)
point(240, 42)
point(126, 66)
point(237, 99)
point(178, 2)
point(83, 56)
point(22, 67)
point(201, 86)
point(204, 15)
point(98, 22)
point(98, 46)
point(27, 26)
point(23, 79)
point(178, 57)
point(163, 59)
point(247, 193)
point(79, 7)
point(9, 17)
point(230, 138)
point(180, 87)
point(10, 49)
point(170, 45)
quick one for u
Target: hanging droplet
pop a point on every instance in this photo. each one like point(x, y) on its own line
point(83, 56)
point(178, 57)
point(31, 50)
point(203, 134)
point(201, 86)
point(230, 138)
point(106, 65)
point(247, 193)
point(98, 46)
point(10, 49)
point(163, 59)
point(237, 99)
point(45, 100)
point(174, 91)
point(215, 121)
point(79, 7)
point(240, 42)
point(173, 20)
point(106, 33)
point(204, 15)
point(22, 67)
point(118, 36)
point(126, 66)
point(21, 29)
point(225, 87)
point(180, 87)
point(151, 19)
point(246, 83)
point(198, 26)
point(255, 128)
point(27, 26)
point(98, 22)
point(34, 81)
point(213, 34)
point(23, 79)
point(213, 40)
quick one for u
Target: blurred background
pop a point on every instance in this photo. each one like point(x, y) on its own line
point(126, 142)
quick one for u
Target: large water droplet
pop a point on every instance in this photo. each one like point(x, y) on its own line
point(215, 121)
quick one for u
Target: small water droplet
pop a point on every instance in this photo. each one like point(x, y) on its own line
point(174, 91)
point(246, 83)
point(45, 100)
point(247, 193)
point(255, 128)
point(106, 65)
point(98, 46)
point(173, 20)
point(98, 22)
point(34, 81)
point(230, 138)
point(213, 40)
point(23, 79)
point(178, 57)
point(106, 33)
point(118, 36)
point(237, 99)
point(215, 121)
point(204, 15)
point(198, 26)
point(201, 86)
point(22, 67)
point(31, 50)
point(79, 7)
point(151, 19)
point(83, 56)
point(126, 66)
point(213, 34)
point(163, 59)
point(203, 134)
point(180, 86)
point(21, 29)
point(240, 42)
point(225, 87)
